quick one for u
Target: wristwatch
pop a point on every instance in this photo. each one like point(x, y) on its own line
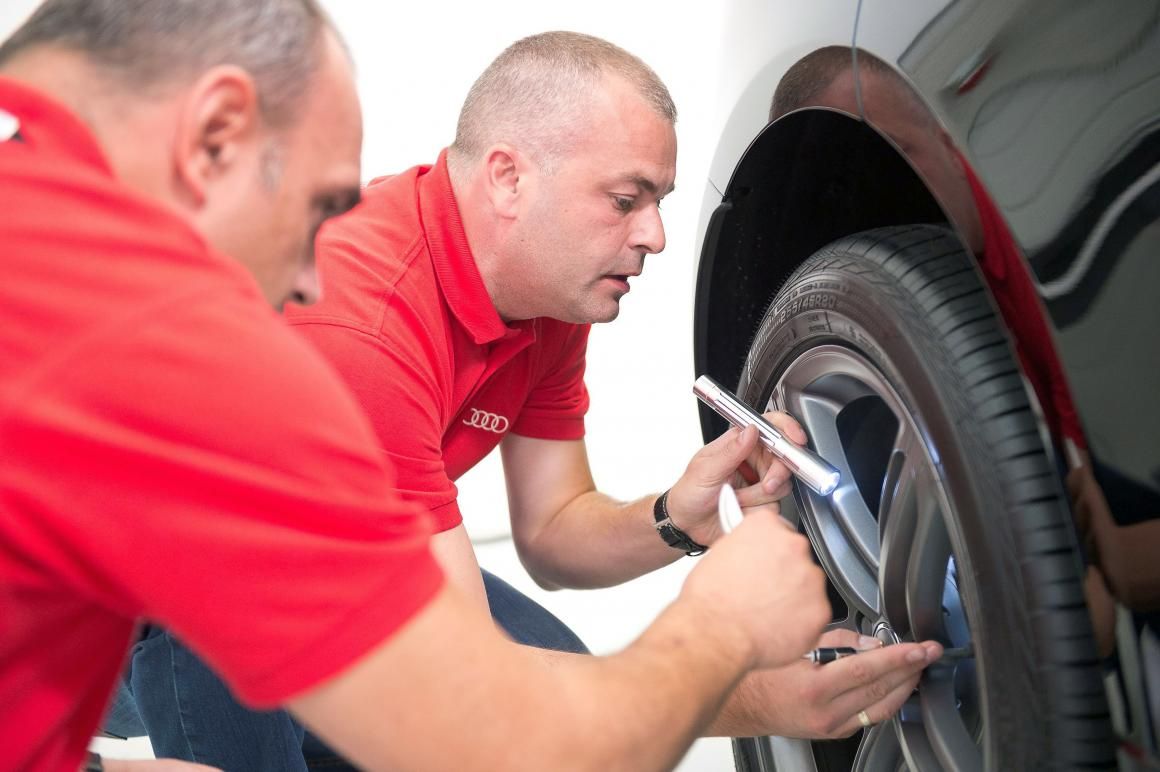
point(93, 763)
point(673, 536)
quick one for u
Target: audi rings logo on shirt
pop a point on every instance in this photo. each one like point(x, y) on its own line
point(481, 419)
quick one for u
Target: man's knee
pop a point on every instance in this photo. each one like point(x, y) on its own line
point(526, 621)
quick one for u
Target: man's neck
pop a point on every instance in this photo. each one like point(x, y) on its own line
point(481, 229)
point(60, 74)
point(112, 115)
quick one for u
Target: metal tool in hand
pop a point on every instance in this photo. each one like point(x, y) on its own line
point(834, 653)
point(807, 466)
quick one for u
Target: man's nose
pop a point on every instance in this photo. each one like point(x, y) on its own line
point(307, 287)
point(649, 236)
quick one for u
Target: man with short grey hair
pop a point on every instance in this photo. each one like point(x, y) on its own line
point(459, 300)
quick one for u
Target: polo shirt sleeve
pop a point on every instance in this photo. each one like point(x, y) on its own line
point(400, 395)
point(556, 405)
point(199, 465)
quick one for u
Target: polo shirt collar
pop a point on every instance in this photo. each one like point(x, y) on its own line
point(455, 267)
point(45, 123)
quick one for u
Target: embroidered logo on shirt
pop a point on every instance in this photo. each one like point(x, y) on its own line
point(481, 419)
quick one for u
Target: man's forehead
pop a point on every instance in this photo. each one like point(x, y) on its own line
point(331, 117)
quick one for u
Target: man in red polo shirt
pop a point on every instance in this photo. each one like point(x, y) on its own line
point(457, 305)
point(459, 299)
point(170, 451)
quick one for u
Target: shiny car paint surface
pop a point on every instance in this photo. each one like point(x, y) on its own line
point(1053, 105)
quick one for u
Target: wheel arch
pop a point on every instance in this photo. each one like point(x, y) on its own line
point(807, 179)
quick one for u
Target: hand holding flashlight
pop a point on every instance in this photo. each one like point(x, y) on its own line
point(805, 465)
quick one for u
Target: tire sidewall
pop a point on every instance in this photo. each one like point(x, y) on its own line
point(868, 315)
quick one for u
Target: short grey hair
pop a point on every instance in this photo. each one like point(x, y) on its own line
point(148, 44)
point(537, 93)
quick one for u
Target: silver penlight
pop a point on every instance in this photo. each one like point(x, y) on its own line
point(806, 465)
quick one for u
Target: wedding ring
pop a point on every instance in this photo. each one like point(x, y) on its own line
point(864, 719)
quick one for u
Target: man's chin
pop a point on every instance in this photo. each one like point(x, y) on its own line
point(605, 312)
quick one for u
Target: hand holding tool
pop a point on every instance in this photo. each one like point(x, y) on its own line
point(806, 465)
point(832, 653)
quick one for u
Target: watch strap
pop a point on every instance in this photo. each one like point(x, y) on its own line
point(673, 536)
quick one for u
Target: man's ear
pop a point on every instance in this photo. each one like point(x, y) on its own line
point(220, 119)
point(503, 172)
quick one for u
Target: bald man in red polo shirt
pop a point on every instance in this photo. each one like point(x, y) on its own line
point(457, 303)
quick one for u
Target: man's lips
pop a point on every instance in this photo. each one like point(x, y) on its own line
point(621, 279)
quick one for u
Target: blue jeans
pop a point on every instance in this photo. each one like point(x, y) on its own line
point(190, 714)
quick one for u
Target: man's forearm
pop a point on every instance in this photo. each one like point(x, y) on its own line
point(639, 709)
point(595, 541)
point(668, 685)
point(744, 712)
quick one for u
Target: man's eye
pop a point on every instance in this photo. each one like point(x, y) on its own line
point(622, 204)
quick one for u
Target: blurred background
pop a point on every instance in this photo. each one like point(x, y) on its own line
point(415, 63)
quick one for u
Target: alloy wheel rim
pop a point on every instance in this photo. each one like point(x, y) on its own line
point(887, 551)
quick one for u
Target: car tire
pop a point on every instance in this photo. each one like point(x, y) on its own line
point(950, 523)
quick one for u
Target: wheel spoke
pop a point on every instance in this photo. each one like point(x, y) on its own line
point(911, 733)
point(927, 572)
point(818, 407)
point(931, 733)
point(787, 753)
point(902, 500)
point(879, 750)
point(948, 736)
point(840, 526)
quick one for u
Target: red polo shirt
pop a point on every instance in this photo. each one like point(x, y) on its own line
point(407, 321)
point(169, 450)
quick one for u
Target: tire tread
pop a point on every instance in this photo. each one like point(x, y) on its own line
point(922, 275)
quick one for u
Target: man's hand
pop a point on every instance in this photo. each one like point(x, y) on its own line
point(1124, 554)
point(1092, 517)
point(822, 701)
point(761, 479)
point(761, 582)
point(1102, 538)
